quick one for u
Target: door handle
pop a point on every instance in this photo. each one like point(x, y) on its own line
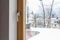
point(18, 14)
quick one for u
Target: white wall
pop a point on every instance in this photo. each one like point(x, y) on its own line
point(12, 20)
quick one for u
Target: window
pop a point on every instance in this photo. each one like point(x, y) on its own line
point(41, 14)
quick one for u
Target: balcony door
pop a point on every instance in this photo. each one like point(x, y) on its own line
point(35, 15)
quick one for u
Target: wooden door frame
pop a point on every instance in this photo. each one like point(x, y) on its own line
point(21, 26)
point(24, 19)
point(21, 20)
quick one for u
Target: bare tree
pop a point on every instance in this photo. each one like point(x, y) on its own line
point(49, 20)
point(34, 18)
point(43, 11)
point(28, 24)
point(27, 14)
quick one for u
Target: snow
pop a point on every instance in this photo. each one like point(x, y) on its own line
point(46, 34)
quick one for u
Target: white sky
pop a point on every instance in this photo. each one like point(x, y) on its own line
point(34, 4)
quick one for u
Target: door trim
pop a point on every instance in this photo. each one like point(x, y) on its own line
point(24, 19)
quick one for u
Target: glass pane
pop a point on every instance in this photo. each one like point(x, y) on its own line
point(41, 14)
